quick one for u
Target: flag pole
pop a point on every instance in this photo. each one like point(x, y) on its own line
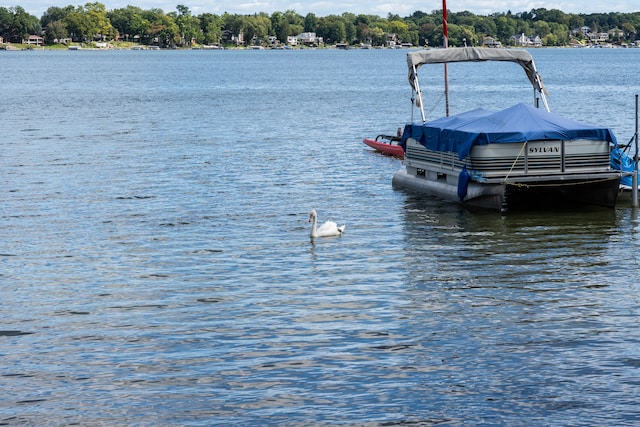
point(445, 33)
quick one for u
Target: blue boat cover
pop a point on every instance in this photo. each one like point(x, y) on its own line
point(620, 161)
point(519, 123)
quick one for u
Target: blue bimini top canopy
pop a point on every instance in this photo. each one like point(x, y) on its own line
point(519, 123)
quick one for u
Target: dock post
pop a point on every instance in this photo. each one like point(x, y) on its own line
point(634, 184)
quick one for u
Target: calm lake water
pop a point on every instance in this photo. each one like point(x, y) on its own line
point(156, 266)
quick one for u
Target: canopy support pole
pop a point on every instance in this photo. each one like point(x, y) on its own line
point(419, 102)
point(542, 95)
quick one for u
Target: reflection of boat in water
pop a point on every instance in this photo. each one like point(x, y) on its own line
point(386, 144)
point(523, 156)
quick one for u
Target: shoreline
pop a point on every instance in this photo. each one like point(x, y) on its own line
point(22, 48)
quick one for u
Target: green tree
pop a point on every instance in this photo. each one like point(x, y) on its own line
point(363, 33)
point(233, 25)
point(484, 26)
point(181, 27)
point(553, 15)
point(280, 25)
point(427, 33)
point(523, 27)
point(310, 23)
point(18, 24)
point(550, 40)
point(55, 31)
point(211, 27)
point(53, 14)
point(99, 23)
point(78, 25)
point(6, 23)
point(575, 21)
point(463, 18)
point(505, 28)
point(332, 29)
point(559, 33)
point(129, 22)
point(163, 30)
point(541, 28)
point(188, 25)
point(85, 23)
point(296, 21)
point(378, 36)
point(459, 35)
point(630, 30)
point(256, 28)
point(54, 24)
point(349, 20)
point(401, 29)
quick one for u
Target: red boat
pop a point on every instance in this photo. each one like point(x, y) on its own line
point(386, 144)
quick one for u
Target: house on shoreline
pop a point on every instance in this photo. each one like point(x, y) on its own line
point(33, 40)
point(491, 42)
point(525, 41)
point(309, 39)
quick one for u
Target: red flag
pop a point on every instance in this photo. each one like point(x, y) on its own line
point(445, 33)
point(445, 28)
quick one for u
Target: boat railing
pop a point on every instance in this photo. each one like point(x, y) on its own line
point(388, 138)
point(501, 161)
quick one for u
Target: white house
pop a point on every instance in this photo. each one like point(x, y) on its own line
point(598, 37)
point(34, 39)
point(309, 39)
point(523, 40)
point(491, 42)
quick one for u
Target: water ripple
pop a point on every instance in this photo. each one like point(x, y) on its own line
point(157, 259)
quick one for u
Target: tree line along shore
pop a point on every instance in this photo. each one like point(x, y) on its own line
point(94, 25)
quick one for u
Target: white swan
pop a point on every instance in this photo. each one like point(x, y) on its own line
point(327, 229)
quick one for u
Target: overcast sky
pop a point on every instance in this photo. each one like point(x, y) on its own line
point(337, 7)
